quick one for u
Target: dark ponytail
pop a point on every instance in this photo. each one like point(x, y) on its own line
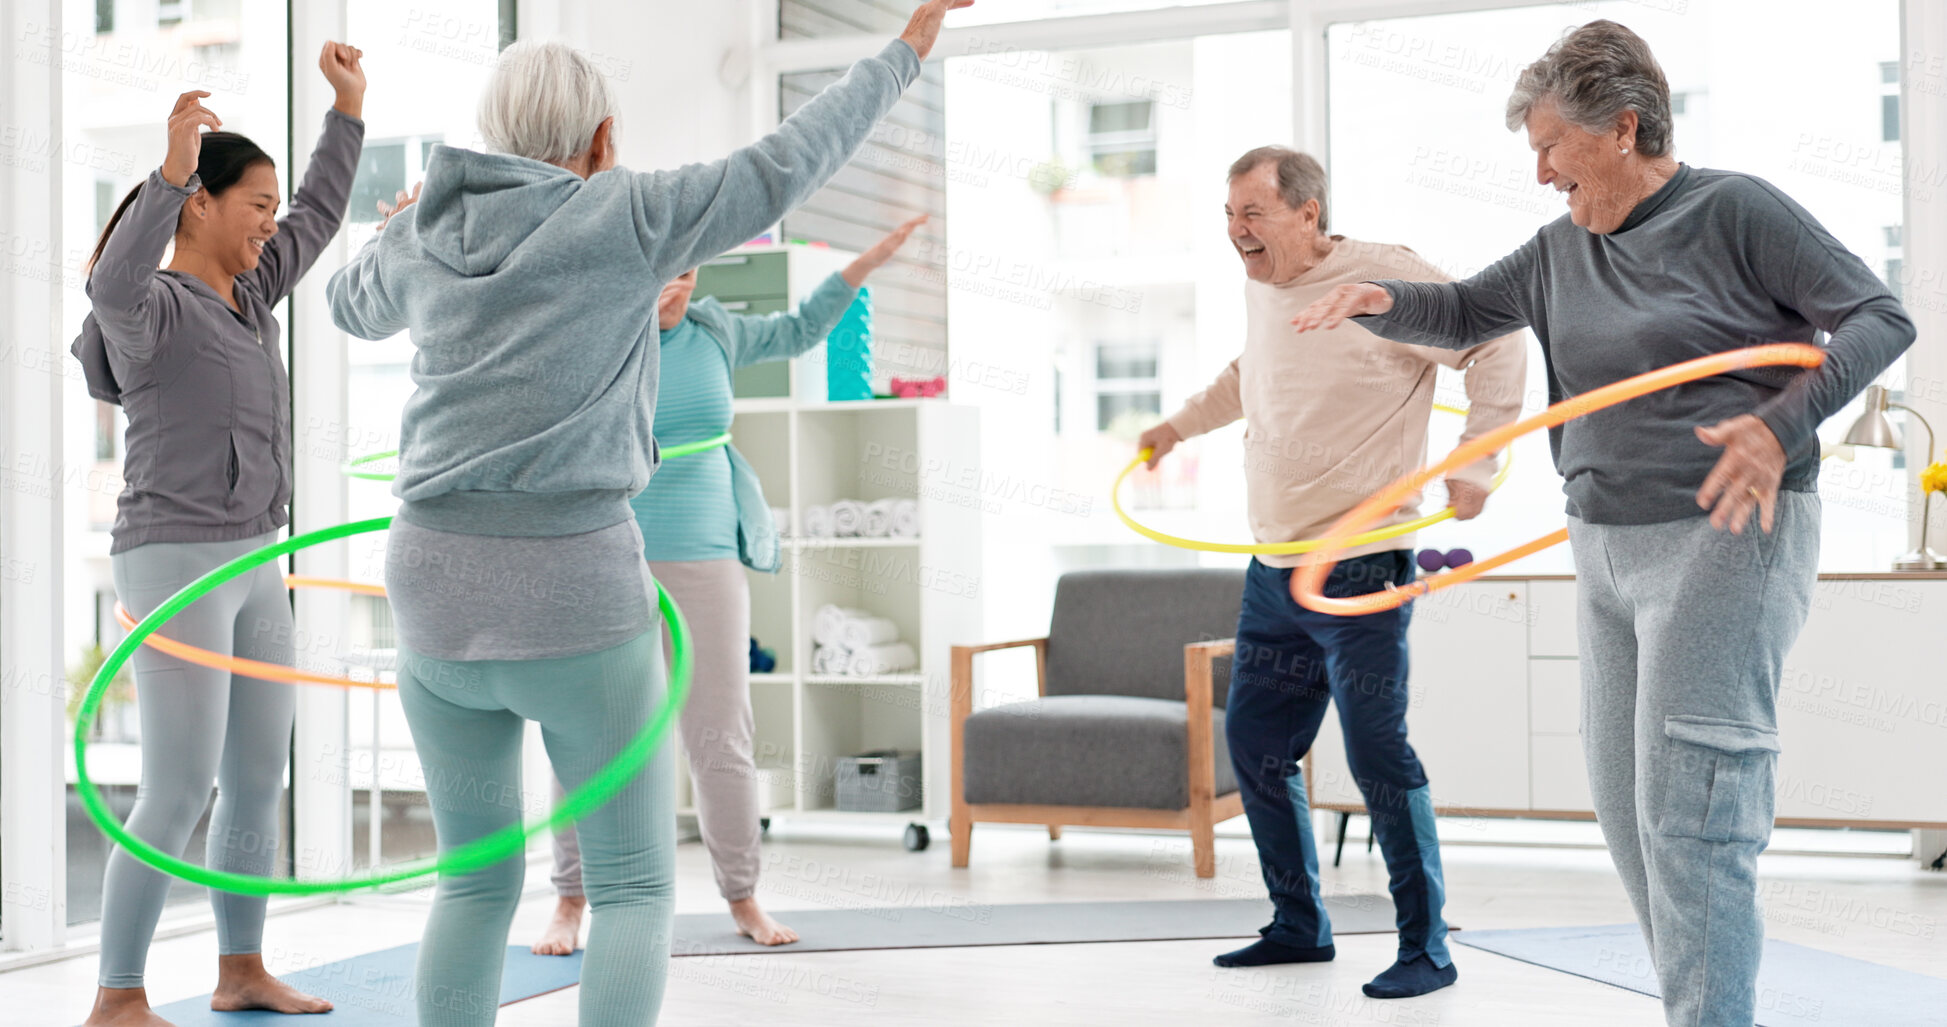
point(222, 162)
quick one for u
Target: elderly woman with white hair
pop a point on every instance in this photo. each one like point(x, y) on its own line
point(530, 279)
point(1685, 613)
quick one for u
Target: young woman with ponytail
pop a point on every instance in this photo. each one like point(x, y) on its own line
point(192, 351)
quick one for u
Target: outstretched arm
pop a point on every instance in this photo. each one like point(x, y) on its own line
point(690, 215)
point(756, 339)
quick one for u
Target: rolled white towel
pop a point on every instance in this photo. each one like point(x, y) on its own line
point(828, 661)
point(848, 516)
point(818, 521)
point(860, 633)
point(891, 658)
point(905, 518)
point(781, 516)
point(878, 519)
point(828, 623)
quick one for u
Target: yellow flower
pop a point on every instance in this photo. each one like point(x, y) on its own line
point(1933, 479)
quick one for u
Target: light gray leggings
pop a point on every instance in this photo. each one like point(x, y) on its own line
point(201, 726)
point(467, 718)
point(1684, 631)
point(717, 726)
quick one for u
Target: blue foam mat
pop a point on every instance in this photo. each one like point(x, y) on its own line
point(375, 990)
point(1797, 986)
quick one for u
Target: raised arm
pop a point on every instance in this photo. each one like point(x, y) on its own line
point(758, 338)
point(687, 216)
point(318, 206)
point(123, 270)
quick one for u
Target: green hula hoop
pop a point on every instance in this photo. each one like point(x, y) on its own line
point(350, 468)
point(474, 855)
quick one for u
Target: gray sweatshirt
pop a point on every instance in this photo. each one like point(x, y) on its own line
point(209, 404)
point(531, 294)
point(1712, 261)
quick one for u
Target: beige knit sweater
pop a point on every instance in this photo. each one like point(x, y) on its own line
point(1336, 415)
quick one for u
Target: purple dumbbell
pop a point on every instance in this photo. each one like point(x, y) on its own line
point(1431, 560)
point(1459, 558)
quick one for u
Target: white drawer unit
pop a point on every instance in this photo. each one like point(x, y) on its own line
point(1496, 705)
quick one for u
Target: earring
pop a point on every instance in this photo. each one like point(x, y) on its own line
point(1623, 150)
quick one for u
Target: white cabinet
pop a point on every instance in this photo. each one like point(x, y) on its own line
point(1495, 714)
point(811, 454)
point(1468, 674)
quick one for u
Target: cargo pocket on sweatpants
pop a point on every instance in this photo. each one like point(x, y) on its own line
point(1718, 782)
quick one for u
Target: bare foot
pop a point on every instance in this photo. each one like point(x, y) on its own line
point(758, 926)
point(564, 928)
point(123, 1007)
point(243, 983)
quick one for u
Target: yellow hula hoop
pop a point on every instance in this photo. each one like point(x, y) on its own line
point(1302, 545)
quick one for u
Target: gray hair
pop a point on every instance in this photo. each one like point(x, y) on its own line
point(1300, 177)
point(1593, 74)
point(544, 102)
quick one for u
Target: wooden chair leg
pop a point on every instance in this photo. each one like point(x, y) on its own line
point(1054, 832)
point(1344, 819)
point(1203, 844)
point(961, 827)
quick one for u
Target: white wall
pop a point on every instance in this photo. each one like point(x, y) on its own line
point(667, 61)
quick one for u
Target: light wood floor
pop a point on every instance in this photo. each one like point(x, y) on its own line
point(1888, 911)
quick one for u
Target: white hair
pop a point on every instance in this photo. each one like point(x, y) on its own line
point(544, 102)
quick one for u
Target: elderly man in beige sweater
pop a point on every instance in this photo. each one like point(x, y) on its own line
point(1330, 421)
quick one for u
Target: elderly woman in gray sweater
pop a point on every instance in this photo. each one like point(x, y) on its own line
point(530, 278)
point(1686, 612)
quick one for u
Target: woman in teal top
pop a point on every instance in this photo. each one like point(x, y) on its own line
point(704, 520)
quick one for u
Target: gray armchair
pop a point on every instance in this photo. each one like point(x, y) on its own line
point(1129, 727)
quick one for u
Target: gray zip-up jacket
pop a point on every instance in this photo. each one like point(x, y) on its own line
point(209, 404)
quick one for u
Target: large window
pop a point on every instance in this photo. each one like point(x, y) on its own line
point(1447, 178)
point(119, 84)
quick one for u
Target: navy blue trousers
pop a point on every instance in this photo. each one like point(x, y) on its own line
point(1290, 663)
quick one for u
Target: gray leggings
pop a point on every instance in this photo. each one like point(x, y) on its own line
point(717, 726)
point(1684, 631)
point(467, 718)
point(201, 725)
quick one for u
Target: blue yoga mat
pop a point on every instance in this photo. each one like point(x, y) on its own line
point(375, 990)
point(1796, 985)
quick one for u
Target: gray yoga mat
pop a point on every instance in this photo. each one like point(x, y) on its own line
point(1796, 985)
point(939, 921)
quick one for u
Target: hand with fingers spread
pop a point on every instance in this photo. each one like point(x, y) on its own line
point(924, 28)
point(400, 202)
point(1747, 475)
point(871, 260)
point(1351, 300)
point(186, 124)
point(339, 62)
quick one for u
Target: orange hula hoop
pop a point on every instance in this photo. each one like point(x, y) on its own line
point(257, 668)
point(1308, 583)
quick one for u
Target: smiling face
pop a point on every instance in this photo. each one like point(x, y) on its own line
point(232, 229)
point(675, 301)
point(1590, 169)
point(1276, 243)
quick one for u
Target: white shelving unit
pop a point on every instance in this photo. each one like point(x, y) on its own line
point(810, 452)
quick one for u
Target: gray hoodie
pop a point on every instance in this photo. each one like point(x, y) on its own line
point(531, 294)
point(209, 405)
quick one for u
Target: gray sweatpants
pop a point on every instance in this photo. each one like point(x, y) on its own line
point(201, 726)
point(1684, 631)
point(717, 726)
